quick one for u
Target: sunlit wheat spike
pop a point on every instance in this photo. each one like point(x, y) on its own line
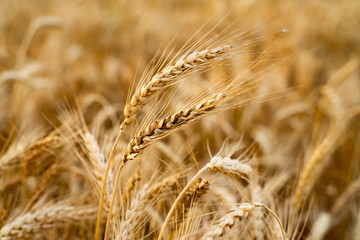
point(196, 190)
point(31, 154)
point(227, 222)
point(163, 127)
point(139, 206)
point(168, 75)
point(219, 164)
point(32, 223)
point(228, 165)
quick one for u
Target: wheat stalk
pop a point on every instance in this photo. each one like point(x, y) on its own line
point(257, 216)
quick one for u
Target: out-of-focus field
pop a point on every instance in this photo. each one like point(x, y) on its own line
point(286, 135)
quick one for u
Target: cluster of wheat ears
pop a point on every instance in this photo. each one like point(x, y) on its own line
point(245, 129)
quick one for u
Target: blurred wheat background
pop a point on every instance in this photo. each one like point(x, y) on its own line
point(179, 119)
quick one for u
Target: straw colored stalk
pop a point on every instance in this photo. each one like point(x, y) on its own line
point(257, 216)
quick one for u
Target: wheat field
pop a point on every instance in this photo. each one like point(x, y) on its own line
point(179, 119)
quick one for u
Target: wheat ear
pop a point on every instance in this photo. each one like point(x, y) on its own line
point(224, 165)
point(192, 194)
point(45, 218)
point(158, 83)
point(317, 162)
point(96, 165)
point(130, 186)
point(196, 190)
point(163, 127)
point(228, 221)
point(145, 197)
point(166, 77)
point(31, 153)
point(160, 129)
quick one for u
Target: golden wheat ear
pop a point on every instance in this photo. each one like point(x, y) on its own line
point(229, 221)
point(224, 165)
point(138, 209)
point(166, 77)
point(32, 223)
